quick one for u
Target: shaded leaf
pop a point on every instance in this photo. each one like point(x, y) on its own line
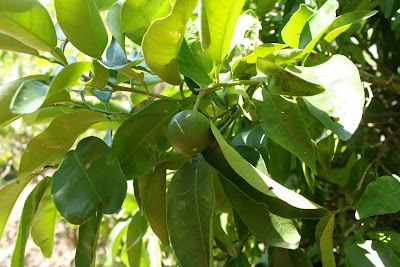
point(324, 238)
point(240, 261)
point(190, 205)
point(290, 258)
point(29, 96)
point(89, 179)
point(134, 235)
point(391, 238)
point(114, 241)
point(371, 254)
point(12, 44)
point(114, 23)
point(380, 197)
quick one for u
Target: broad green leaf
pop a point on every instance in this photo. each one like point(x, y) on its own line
point(12, 44)
point(28, 212)
point(324, 237)
point(282, 121)
point(55, 141)
point(340, 107)
point(190, 206)
point(134, 235)
point(254, 137)
point(316, 26)
point(285, 56)
point(246, 31)
point(100, 78)
point(114, 23)
point(226, 160)
point(264, 6)
point(371, 254)
point(44, 223)
point(38, 33)
point(126, 69)
point(284, 82)
point(344, 22)
point(89, 179)
point(104, 4)
point(240, 261)
point(29, 96)
point(87, 241)
point(7, 92)
point(391, 238)
point(140, 137)
point(221, 238)
point(218, 21)
point(163, 39)
point(292, 30)
point(114, 241)
point(83, 26)
point(137, 15)
point(193, 62)
point(289, 258)
point(386, 7)
point(380, 197)
point(279, 162)
point(17, 6)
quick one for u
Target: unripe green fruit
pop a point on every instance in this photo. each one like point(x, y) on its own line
point(189, 132)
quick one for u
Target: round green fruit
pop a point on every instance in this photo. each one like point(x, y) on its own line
point(189, 132)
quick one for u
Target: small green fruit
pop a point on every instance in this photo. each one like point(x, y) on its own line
point(189, 132)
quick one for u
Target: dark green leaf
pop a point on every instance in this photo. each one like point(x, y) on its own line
point(221, 238)
point(140, 137)
point(324, 238)
point(279, 162)
point(190, 207)
point(371, 254)
point(83, 26)
point(30, 207)
point(380, 197)
point(386, 7)
point(240, 261)
point(134, 235)
point(391, 238)
point(289, 258)
point(255, 137)
point(282, 121)
point(89, 179)
point(87, 242)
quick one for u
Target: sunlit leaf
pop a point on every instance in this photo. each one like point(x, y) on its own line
point(114, 23)
point(324, 238)
point(12, 44)
point(371, 254)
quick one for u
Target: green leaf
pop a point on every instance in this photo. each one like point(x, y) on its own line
point(282, 121)
point(380, 197)
point(371, 254)
point(89, 179)
point(163, 39)
point(285, 56)
point(12, 44)
point(44, 223)
point(137, 16)
point(127, 70)
point(284, 82)
point(292, 30)
point(190, 205)
point(29, 96)
point(87, 242)
point(256, 185)
point(104, 4)
point(340, 107)
point(289, 258)
point(279, 162)
point(240, 261)
point(114, 241)
point(324, 237)
point(218, 21)
point(344, 22)
point(114, 23)
point(83, 26)
point(193, 62)
point(28, 212)
point(134, 235)
point(221, 238)
point(140, 137)
point(386, 7)
point(254, 137)
point(55, 141)
point(38, 33)
point(391, 238)
point(100, 78)
point(8, 196)
point(7, 92)
point(316, 26)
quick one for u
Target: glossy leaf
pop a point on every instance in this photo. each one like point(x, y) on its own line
point(371, 254)
point(380, 197)
point(38, 33)
point(11, 44)
point(104, 4)
point(51, 144)
point(285, 56)
point(114, 23)
point(83, 26)
point(137, 15)
point(391, 238)
point(290, 258)
point(192, 61)
point(340, 107)
point(134, 235)
point(190, 205)
point(279, 162)
point(89, 179)
point(29, 96)
point(218, 21)
point(254, 137)
point(284, 82)
point(316, 26)
point(282, 121)
point(28, 212)
point(292, 30)
point(87, 241)
point(44, 223)
point(324, 237)
point(146, 128)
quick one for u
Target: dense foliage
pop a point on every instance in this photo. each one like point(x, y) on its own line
point(297, 166)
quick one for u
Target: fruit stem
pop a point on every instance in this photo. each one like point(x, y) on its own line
point(197, 104)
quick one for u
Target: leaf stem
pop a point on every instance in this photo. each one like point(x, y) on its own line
point(197, 104)
point(211, 88)
point(231, 119)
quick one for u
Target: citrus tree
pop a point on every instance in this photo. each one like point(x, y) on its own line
point(239, 143)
